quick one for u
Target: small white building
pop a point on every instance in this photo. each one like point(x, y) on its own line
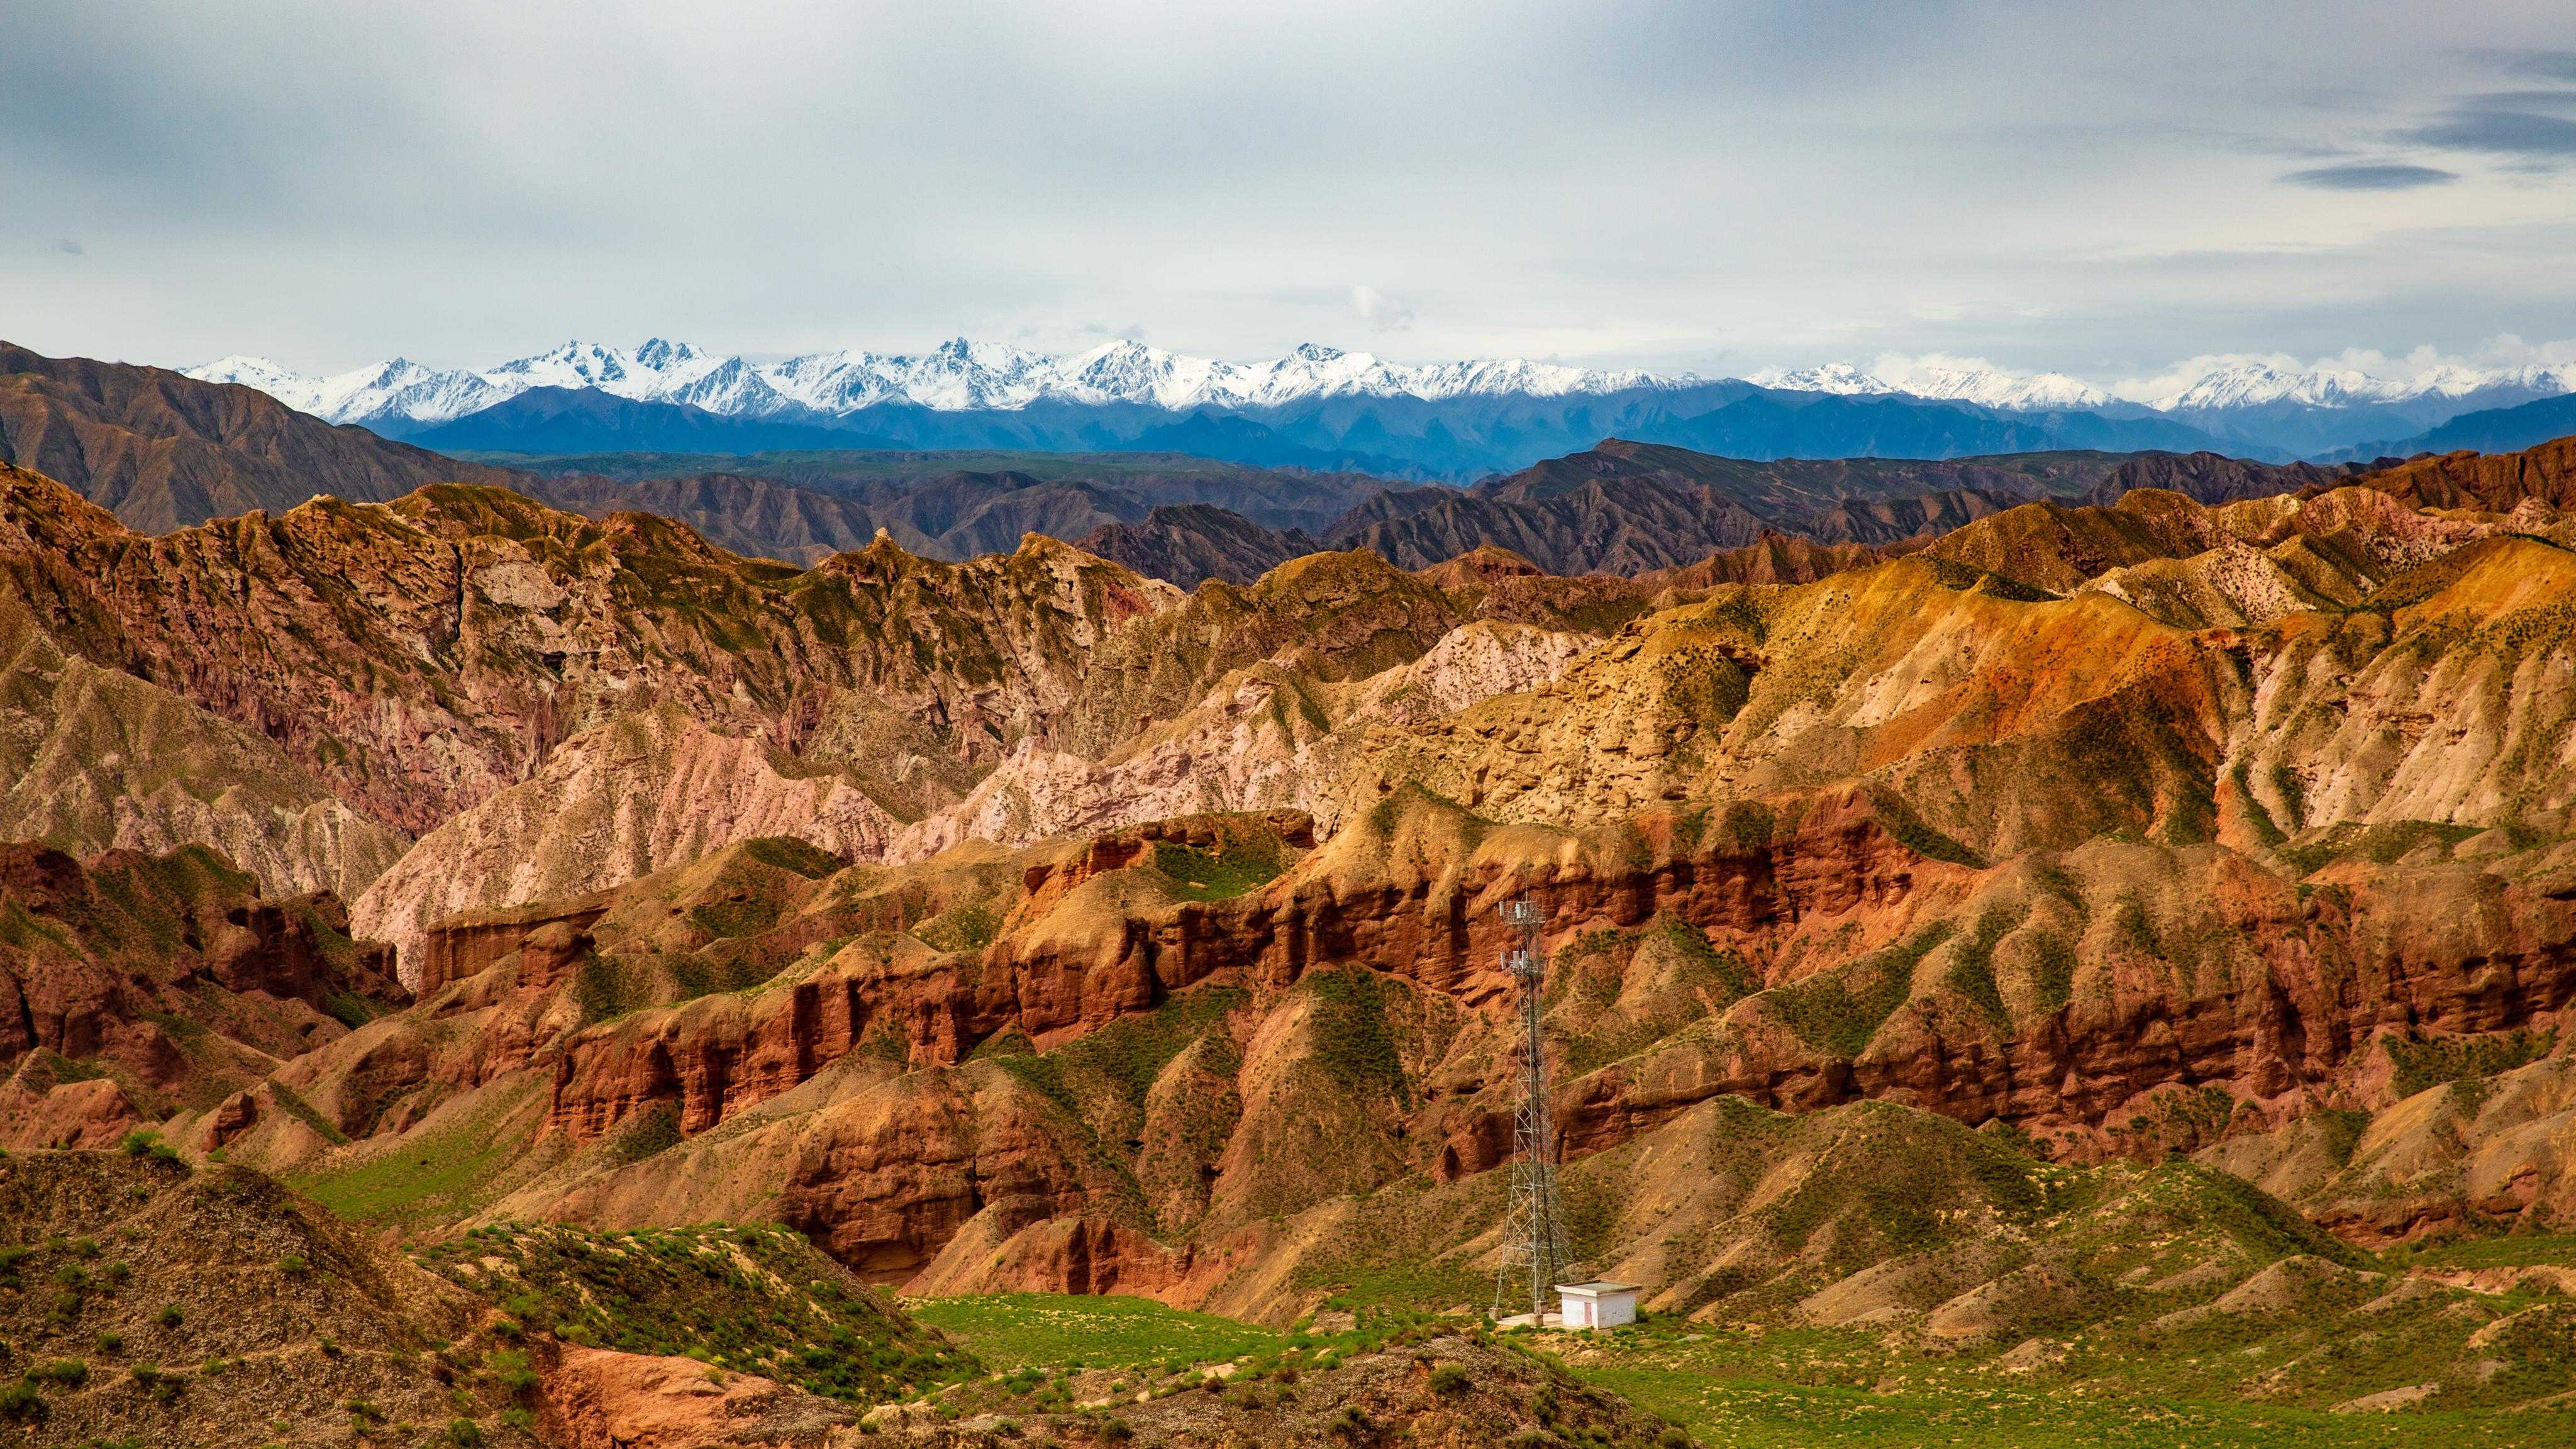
point(1599, 1304)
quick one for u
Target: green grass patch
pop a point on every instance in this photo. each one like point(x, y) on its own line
point(969, 926)
point(423, 1177)
point(1352, 1039)
point(1011, 1330)
point(1839, 1012)
point(1236, 867)
point(730, 918)
point(1132, 1051)
point(788, 853)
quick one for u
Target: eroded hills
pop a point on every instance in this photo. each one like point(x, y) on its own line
point(2095, 913)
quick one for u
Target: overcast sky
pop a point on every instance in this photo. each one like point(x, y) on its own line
point(2102, 189)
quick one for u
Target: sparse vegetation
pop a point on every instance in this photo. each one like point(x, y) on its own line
point(756, 1298)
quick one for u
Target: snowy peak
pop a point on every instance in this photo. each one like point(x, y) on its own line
point(256, 372)
point(1941, 379)
point(2225, 384)
point(1996, 388)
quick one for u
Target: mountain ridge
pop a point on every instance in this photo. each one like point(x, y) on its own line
point(1132, 389)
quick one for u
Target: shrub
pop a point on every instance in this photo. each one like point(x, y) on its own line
point(1449, 1379)
point(71, 1373)
point(170, 1316)
point(293, 1265)
point(139, 1143)
point(511, 1368)
point(1116, 1431)
point(464, 1433)
point(1673, 1437)
point(117, 1272)
point(111, 1342)
point(150, 1379)
point(21, 1403)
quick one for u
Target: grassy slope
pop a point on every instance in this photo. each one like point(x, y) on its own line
point(1014, 1330)
point(434, 1176)
point(757, 1299)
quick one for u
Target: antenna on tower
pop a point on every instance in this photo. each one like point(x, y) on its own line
point(1534, 1252)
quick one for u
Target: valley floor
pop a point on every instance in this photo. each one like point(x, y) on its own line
point(1832, 1388)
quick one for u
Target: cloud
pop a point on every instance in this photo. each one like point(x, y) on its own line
point(2368, 176)
point(2545, 64)
point(66, 247)
point(1683, 184)
point(1381, 312)
point(2500, 132)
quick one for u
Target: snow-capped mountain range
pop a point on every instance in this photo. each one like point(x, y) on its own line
point(957, 376)
point(2255, 384)
point(1992, 387)
point(963, 376)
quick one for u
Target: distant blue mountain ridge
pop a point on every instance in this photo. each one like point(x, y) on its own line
point(2488, 430)
point(1445, 440)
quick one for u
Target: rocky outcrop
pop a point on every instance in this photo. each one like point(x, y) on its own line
point(97, 760)
point(637, 795)
point(38, 1109)
point(547, 939)
point(137, 983)
point(599, 1399)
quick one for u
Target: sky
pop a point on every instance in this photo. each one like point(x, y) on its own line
point(2105, 190)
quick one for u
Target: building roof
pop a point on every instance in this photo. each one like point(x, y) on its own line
point(1598, 1286)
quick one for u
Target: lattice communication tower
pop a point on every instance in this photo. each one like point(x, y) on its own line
point(1534, 1253)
